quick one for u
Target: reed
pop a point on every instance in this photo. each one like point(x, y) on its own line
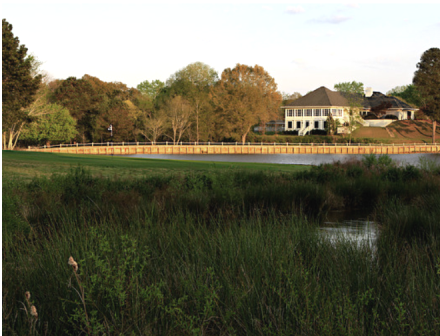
point(221, 253)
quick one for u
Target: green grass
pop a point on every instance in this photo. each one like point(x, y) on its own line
point(221, 252)
point(26, 165)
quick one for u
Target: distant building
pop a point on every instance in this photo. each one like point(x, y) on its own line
point(382, 106)
point(271, 126)
point(312, 110)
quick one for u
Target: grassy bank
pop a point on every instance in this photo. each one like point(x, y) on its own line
point(222, 251)
point(26, 165)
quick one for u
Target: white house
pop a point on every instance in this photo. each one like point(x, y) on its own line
point(312, 110)
point(381, 105)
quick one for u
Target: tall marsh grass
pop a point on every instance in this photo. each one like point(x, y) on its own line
point(221, 254)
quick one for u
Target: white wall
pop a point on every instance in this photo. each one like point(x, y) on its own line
point(377, 122)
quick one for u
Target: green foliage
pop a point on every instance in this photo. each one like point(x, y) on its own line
point(83, 102)
point(429, 166)
point(151, 89)
point(350, 87)
point(377, 161)
point(116, 113)
point(332, 125)
point(222, 252)
point(55, 124)
point(354, 93)
point(198, 73)
point(19, 86)
point(408, 93)
point(427, 81)
point(245, 96)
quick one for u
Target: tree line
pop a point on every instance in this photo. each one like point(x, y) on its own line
point(195, 103)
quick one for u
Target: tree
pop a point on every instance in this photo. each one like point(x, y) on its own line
point(197, 73)
point(178, 112)
point(354, 93)
point(244, 96)
point(153, 125)
point(332, 125)
point(116, 114)
point(427, 81)
point(54, 123)
point(18, 86)
point(350, 87)
point(289, 98)
point(407, 93)
point(84, 103)
point(193, 82)
point(151, 89)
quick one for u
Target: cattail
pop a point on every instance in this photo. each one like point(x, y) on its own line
point(34, 312)
point(27, 295)
point(73, 263)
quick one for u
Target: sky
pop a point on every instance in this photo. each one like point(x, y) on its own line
point(301, 45)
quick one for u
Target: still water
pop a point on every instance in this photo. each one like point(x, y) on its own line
point(360, 231)
point(300, 159)
point(341, 225)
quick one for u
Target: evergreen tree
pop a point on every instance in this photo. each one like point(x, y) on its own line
point(427, 81)
point(18, 85)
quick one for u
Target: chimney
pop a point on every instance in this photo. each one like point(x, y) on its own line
point(368, 92)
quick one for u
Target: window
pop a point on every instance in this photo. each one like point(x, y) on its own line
point(289, 125)
point(309, 112)
point(316, 124)
point(334, 112)
point(326, 112)
point(290, 113)
point(340, 112)
point(299, 113)
point(298, 124)
point(317, 113)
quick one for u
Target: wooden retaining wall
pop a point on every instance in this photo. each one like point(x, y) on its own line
point(244, 149)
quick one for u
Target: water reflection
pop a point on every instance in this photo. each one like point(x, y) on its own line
point(341, 225)
point(360, 231)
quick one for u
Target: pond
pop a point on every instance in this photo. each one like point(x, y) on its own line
point(340, 224)
point(300, 159)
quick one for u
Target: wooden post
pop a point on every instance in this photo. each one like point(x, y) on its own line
point(434, 125)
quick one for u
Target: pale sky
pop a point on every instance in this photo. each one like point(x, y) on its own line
point(302, 46)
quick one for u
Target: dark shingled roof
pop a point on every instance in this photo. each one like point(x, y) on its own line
point(379, 98)
point(320, 97)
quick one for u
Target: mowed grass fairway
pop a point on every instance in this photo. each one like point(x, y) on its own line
point(27, 165)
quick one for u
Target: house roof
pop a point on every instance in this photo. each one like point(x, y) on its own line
point(320, 97)
point(324, 97)
point(379, 98)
